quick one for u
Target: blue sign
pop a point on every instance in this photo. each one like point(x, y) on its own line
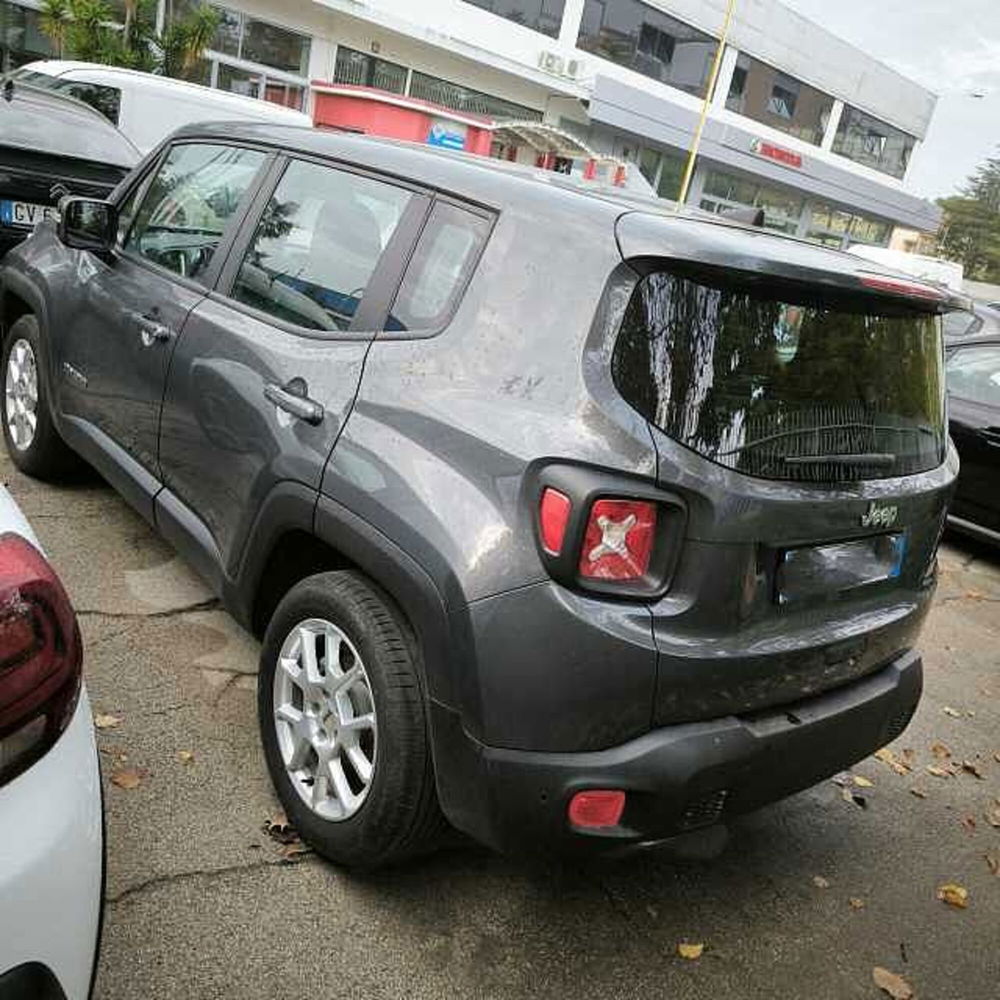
point(446, 136)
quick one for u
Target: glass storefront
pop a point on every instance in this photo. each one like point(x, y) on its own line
point(21, 37)
point(539, 15)
point(252, 57)
point(773, 98)
point(647, 40)
point(663, 170)
point(789, 212)
point(865, 139)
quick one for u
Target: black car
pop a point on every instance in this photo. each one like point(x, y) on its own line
point(977, 320)
point(52, 146)
point(973, 377)
point(580, 524)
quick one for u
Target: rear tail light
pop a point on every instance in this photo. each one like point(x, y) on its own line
point(40, 656)
point(553, 517)
point(598, 808)
point(618, 543)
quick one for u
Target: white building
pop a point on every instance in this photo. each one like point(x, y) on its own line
point(802, 124)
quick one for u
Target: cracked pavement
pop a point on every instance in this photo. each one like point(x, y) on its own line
point(202, 904)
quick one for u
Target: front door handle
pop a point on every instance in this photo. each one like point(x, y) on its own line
point(152, 331)
point(293, 398)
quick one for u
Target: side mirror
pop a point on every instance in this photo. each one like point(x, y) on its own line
point(86, 224)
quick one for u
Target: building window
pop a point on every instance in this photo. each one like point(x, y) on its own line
point(782, 207)
point(834, 227)
point(664, 171)
point(21, 37)
point(252, 57)
point(865, 139)
point(539, 15)
point(649, 41)
point(363, 70)
point(459, 98)
point(773, 98)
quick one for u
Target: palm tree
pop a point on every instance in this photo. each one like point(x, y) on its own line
point(55, 22)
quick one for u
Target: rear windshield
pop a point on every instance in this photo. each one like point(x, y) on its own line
point(785, 385)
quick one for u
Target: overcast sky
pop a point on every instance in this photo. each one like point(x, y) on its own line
point(950, 46)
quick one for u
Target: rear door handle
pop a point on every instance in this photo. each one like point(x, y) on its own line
point(152, 331)
point(293, 398)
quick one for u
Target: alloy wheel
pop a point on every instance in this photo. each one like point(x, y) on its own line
point(21, 394)
point(324, 717)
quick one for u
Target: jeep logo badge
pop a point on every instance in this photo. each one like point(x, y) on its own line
point(879, 516)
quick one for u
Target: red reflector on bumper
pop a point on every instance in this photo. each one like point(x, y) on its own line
point(596, 808)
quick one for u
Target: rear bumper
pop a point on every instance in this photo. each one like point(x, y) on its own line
point(51, 868)
point(677, 778)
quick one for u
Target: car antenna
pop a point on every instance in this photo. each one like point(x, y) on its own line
point(8, 90)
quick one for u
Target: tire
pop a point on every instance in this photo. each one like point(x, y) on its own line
point(32, 440)
point(395, 816)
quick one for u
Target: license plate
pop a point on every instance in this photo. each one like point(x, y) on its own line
point(828, 570)
point(24, 214)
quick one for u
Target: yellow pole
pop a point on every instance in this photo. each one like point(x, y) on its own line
point(713, 77)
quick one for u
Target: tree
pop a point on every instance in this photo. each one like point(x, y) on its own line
point(86, 30)
point(970, 232)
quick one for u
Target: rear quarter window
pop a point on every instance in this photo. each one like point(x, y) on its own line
point(440, 268)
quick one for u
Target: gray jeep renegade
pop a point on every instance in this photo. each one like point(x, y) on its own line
point(563, 519)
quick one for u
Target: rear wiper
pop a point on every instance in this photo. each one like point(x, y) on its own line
point(880, 459)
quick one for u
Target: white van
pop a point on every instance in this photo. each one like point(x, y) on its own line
point(147, 108)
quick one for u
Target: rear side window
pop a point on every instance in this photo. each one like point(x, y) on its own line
point(183, 214)
point(440, 268)
point(785, 384)
point(107, 100)
point(317, 246)
point(974, 374)
point(961, 324)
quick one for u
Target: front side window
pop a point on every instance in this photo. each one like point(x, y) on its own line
point(645, 39)
point(865, 139)
point(784, 384)
point(974, 374)
point(196, 190)
point(439, 269)
point(317, 245)
point(773, 98)
point(540, 15)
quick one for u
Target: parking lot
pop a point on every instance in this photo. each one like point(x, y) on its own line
point(807, 899)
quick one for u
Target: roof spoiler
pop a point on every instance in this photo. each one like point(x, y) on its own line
point(747, 215)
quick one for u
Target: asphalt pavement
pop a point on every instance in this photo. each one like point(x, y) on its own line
point(807, 899)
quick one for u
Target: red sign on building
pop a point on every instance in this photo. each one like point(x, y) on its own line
point(772, 152)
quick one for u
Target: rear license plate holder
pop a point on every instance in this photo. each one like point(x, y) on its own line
point(815, 572)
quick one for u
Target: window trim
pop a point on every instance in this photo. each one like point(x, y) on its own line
point(426, 333)
point(388, 274)
point(210, 277)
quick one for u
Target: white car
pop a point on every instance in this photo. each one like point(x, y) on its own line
point(51, 824)
point(147, 108)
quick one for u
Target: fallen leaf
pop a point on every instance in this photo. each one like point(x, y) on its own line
point(185, 756)
point(856, 903)
point(954, 895)
point(891, 760)
point(970, 713)
point(863, 782)
point(841, 780)
point(128, 777)
point(896, 986)
point(690, 951)
point(102, 721)
point(940, 749)
point(278, 828)
point(993, 863)
point(820, 882)
point(969, 824)
point(938, 772)
point(992, 813)
point(919, 792)
point(970, 767)
point(975, 595)
point(953, 712)
point(295, 850)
